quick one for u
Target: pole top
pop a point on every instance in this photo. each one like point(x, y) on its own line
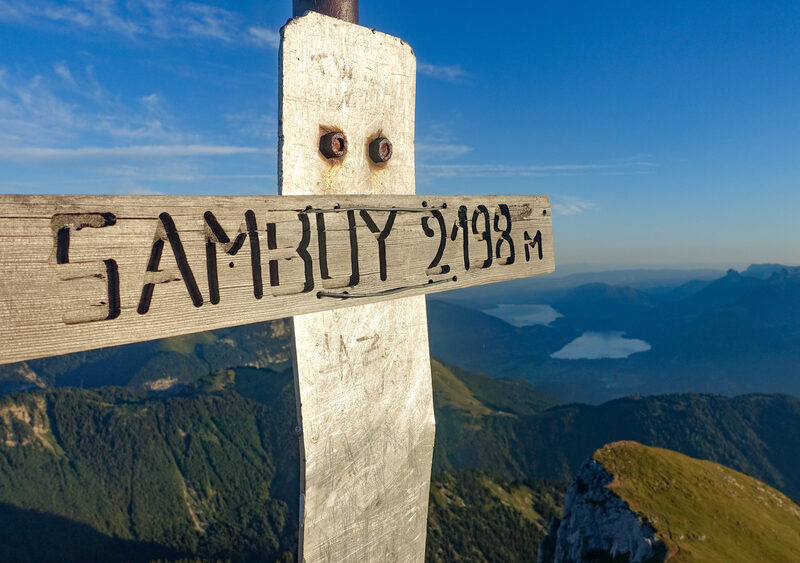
point(346, 10)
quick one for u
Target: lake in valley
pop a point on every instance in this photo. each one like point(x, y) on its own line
point(597, 345)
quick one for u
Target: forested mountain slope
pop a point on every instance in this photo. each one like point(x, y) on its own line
point(756, 434)
point(207, 466)
point(208, 472)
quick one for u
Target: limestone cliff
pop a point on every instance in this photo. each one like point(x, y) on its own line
point(597, 525)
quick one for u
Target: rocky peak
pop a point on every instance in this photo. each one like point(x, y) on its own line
point(597, 525)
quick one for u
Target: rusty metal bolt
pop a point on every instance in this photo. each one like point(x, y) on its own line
point(333, 145)
point(380, 150)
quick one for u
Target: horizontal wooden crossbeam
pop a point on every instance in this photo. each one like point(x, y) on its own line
point(78, 273)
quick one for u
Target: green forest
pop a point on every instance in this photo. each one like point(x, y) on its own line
point(210, 472)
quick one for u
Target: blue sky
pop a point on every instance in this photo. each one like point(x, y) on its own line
point(664, 132)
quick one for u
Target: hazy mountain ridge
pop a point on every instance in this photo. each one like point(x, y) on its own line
point(546, 289)
point(170, 363)
point(714, 339)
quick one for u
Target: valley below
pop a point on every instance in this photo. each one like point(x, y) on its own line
point(592, 342)
point(185, 450)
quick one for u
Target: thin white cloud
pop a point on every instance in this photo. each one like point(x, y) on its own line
point(63, 71)
point(139, 190)
point(139, 151)
point(264, 36)
point(206, 21)
point(11, 12)
point(103, 14)
point(63, 107)
point(45, 118)
point(254, 124)
point(452, 73)
point(31, 113)
point(164, 19)
point(505, 170)
point(571, 206)
point(441, 150)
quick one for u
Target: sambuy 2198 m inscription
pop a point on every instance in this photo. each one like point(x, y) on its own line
point(126, 269)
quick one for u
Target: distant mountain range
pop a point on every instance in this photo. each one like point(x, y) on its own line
point(737, 334)
point(545, 289)
point(161, 367)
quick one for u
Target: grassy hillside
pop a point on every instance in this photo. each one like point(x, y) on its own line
point(486, 459)
point(479, 394)
point(479, 515)
point(701, 510)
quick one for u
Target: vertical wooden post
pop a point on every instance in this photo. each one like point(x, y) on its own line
point(362, 374)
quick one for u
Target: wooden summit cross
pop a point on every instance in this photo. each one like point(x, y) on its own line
point(348, 249)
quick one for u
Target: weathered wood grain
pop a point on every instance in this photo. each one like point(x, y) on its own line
point(55, 254)
point(362, 375)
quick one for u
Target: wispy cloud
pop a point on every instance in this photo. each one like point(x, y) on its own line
point(165, 19)
point(31, 112)
point(506, 170)
point(139, 190)
point(62, 70)
point(452, 73)
point(204, 21)
point(264, 36)
point(138, 151)
point(254, 124)
point(66, 107)
point(442, 150)
point(439, 142)
point(98, 13)
point(571, 206)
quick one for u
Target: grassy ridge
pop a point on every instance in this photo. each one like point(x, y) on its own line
point(701, 510)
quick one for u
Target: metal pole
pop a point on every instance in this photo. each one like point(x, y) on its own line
point(346, 10)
